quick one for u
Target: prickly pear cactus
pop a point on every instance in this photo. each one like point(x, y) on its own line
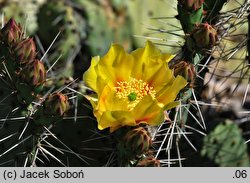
point(201, 38)
point(107, 23)
point(36, 111)
point(24, 75)
point(190, 13)
point(149, 21)
point(72, 28)
point(225, 146)
point(22, 11)
point(17, 58)
point(37, 101)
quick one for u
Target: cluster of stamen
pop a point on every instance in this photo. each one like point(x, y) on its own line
point(133, 91)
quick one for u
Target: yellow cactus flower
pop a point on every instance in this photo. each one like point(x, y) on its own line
point(132, 88)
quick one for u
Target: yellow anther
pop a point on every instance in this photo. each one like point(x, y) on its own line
point(133, 91)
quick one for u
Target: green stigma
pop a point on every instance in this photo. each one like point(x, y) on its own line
point(132, 96)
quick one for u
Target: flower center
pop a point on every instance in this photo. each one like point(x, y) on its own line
point(133, 91)
point(132, 96)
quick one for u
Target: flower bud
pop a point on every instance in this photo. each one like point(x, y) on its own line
point(34, 73)
point(56, 105)
point(11, 32)
point(184, 69)
point(25, 51)
point(204, 36)
point(137, 141)
point(148, 162)
point(191, 4)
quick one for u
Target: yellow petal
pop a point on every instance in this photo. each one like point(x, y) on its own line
point(116, 119)
point(145, 64)
point(92, 99)
point(101, 83)
point(148, 51)
point(148, 110)
point(171, 105)
point(169, 92)
point(167, 57)
point(157, 74)
point(116, 65)
point(90, 75)
point(141, 56)
point(109, 102)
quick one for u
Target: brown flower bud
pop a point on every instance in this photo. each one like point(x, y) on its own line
point(184, 69)
point(34, 73)
point(148, 162)
point(11, 32)
point(56, 105)
point(137, 141)
point(204, 36)
point(25, 51)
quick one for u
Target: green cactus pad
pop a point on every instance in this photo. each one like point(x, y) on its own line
point(107, 24)
point(72, 27)
point(189, 19)
point(22, 11)
point(225, 146)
